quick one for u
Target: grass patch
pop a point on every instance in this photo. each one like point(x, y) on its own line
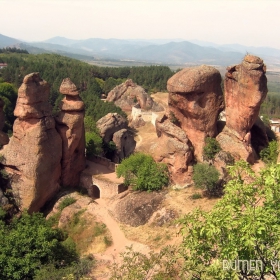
point(66, 202)
point(196, 196)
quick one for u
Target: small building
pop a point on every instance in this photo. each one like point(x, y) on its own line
point(275, 125)
point(3, 65)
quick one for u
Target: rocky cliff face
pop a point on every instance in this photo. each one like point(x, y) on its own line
point(114, 127)
point(195, 100)
point(127, 94)
point(173, 148)
point(70, 126)
point(32, 157)
point(245, 90)
point(4, 139)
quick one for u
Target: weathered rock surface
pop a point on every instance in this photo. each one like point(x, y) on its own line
point(195, 100)
point(110, 124)
point(32, 157)
point(245, 90)
point(136, 208)
point(137, 122)
point(125, 144)
point(127, 94)
point(70, 125)
point(4, 139)
point(173, 148)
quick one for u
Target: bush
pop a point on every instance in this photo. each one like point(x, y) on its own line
point(270, 153)
point(211, 148)
point(143, 173)
point(206, 177)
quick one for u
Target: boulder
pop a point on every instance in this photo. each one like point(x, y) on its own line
point(195, 101)
point(110, 124)
point(70, 126)
point(32, 157)
point(173, 148)
point(245, 89)
point(125, 144)
point(127, 94)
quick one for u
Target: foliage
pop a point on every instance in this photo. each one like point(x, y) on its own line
point(211, 148)
point(12, 50)
point(206, 177)
point(270, 153)
point(143, 173)
point(138, 266)
point(196, 196)
point(28, 243)
point(68, 200)
point(93, 144)
point(243, 225)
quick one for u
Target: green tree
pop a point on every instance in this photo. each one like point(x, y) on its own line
point(30, 242)
point(270, 153)
point(211, 148)
point(243, 225)
point(143, 173)
point(206, 177)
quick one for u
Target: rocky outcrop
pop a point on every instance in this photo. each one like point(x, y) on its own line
point(195, 100)
point(173, 148)
point(70, 125)
point(4, 139)
point(114, 127)
point(125, 144)
point(245, 89)
point(110, 124)
point(127, 94)
point(32, 157)
point(137, 122)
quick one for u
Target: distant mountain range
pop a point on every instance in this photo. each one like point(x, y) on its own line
point(164, 51)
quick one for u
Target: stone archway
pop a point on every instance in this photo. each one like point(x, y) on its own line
point(94, 191)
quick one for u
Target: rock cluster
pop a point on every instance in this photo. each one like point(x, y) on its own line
point(127, 94)
point(114, 127)
point(70, 126)
point(195, 100)
point(245, 89)
point(173, 148)
point(32, 157)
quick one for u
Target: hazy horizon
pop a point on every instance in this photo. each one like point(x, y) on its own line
point(244, 22)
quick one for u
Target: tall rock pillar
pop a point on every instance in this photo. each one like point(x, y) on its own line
point(70, 126)
point(32, 157)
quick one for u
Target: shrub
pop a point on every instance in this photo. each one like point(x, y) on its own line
point(143, 173)
point(66, 202)
point(206, 177)
point(196, 196)
point(270, 153)
point(211, 148)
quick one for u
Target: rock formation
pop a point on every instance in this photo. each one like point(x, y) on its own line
point(195, 100)
point(245, 90)
point(32, 157)
point(70, 125)
point(4, 139)
point(127, 94)
point(114, 127)
point(172, 148)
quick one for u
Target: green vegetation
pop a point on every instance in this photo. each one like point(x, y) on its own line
point(28, 243)
point(196, 196)
point(206, 177)
point(68, 200)
point(143, 173)
point(270, 153)
point(12, 50)
point(211, 148)
point(243, 225)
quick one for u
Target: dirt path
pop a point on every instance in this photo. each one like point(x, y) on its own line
point(120, 242)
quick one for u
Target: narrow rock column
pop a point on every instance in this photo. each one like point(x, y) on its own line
point(70, 126)
point(32, 157)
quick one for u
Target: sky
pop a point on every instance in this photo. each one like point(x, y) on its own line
point(246, 22)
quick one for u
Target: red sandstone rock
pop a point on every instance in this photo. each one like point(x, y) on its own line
point(127, 94)
point(70, 126)
point(195, 100)
point(245, 90)
point(172, 148)
point(33, 155)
